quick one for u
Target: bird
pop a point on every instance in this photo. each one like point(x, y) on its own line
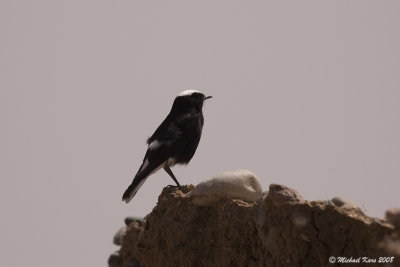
point(174, 142)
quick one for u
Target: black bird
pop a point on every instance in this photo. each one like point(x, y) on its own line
point(174, 142)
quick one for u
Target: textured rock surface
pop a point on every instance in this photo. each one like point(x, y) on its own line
point(280, 229)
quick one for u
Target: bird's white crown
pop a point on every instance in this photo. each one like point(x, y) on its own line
point(188, 92)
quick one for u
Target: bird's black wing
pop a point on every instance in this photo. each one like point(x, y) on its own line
point(167, 131)
point(175, 134)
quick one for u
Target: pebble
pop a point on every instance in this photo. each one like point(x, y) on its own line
point(114, 259)
point(117, 240)
point(344, 202)
point(280, 194)
point(130, 219)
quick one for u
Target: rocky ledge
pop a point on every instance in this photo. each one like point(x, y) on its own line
point(280, 228)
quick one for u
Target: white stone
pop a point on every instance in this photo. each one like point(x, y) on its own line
point(239, 184)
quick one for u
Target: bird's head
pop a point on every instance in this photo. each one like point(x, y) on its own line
point(190, 99)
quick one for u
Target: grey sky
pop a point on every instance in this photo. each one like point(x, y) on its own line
point(305, 93)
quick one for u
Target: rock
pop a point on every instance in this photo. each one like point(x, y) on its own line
point(279, 229)
point(114, 260)
point(344, 203)
point(239, 184)
point(347, 204)
point(118, 236)
point(130, 219)
point(390, 249)
point(390, 245)
point(280, 194)
point(393, 216)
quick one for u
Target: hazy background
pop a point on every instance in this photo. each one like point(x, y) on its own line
point(306, 94)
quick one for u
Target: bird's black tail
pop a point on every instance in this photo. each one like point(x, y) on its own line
point(131, 191)
point(145, 171)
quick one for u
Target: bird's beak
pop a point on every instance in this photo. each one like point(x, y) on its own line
point(207, 97)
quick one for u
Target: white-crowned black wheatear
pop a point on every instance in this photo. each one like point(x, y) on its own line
point(174, 142)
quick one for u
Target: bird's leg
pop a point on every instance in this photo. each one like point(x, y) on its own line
point(168, 170)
